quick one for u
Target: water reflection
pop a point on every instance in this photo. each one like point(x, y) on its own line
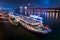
point(56, 15)
point(47, 14)
point(51, 14)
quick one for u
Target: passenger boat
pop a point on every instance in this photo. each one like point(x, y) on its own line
point(31, 24)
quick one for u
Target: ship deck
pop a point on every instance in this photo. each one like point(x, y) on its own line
point(30, 20)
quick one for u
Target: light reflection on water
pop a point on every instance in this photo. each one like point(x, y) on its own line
point(56, 15)
point(50, 15)
point(47, 14)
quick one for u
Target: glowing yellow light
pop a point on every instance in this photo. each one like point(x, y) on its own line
point(50, 14)
point(56, 15)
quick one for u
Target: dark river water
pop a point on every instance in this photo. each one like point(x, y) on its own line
point(20, 33)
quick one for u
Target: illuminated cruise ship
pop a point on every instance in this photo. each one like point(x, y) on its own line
point(31, 24)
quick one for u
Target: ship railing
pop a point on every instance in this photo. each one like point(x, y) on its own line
point(26, 25)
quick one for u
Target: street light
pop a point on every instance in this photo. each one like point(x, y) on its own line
point(25, 7)
point(25, 10)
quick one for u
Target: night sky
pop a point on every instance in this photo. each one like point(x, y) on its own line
point(34, 3)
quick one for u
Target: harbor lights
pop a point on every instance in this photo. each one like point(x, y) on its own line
point(29, 5)
point(21, 9)
point(25, 10)
point(25, 7)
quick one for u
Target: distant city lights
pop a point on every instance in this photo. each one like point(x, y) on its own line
point(21, 7)
point(25, 7)
point(29, 4)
